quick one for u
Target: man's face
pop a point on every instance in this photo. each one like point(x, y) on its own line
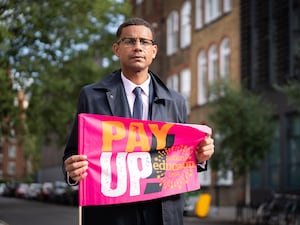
point(135, 48)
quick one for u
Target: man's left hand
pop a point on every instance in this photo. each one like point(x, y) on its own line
point(205, 149)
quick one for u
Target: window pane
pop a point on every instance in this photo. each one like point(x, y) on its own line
point(205, 178)
point(256, 179)
point(212, 10)
point(198, 22)
point(212, 69)
point(172, 33)
point(274, 159)
point(293, 146)
point(185, 28)
point(274, 177)
point(172, 82)
point(185, 86)
point(185, 82)
point(226, 6)
point(202, 84)
point(224, 59)
point(12, 152)
point(294, 181)
point(11, 168)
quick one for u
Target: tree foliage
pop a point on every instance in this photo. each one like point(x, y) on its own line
point(244, 125)
point(292, 90)
point(52, 48)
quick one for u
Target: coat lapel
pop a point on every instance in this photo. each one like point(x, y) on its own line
point(115, 95)
point(118, 102)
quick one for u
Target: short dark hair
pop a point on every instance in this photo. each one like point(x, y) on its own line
point(132, 22)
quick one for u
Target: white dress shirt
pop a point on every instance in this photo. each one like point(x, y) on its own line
point(129, 87)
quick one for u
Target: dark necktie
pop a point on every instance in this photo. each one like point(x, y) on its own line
point(138, 105)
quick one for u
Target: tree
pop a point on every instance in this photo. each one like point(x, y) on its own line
point(49, 49)
point(244, 123)
point(292, 90)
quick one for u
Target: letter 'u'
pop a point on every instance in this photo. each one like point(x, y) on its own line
point(106, 174)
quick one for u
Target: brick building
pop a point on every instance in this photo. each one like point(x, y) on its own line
point(13, 164)
point(252, 43)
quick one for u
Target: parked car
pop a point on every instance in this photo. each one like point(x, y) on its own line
point(34, 191)
point(58, 192)
point(10, 189)
point(2, 188)
point(46, 190)
point(22, 190)
point(71, 195)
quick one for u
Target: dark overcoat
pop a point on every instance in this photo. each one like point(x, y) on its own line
point(108, 97)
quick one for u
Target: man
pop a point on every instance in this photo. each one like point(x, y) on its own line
point(114, 96)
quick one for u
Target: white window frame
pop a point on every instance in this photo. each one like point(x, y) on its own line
point(198, 14)
point(12, 151)
point(212, 70)
point(202, 78)
point(212, 10)
point(172, 33)
point(185, 25)
point(225, 179)
point(185, 86)
point(205, 177)
point(11, 168)
point(172, 82)
point(227, 6)
point(225, 59)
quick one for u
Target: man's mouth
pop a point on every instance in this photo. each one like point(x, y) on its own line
point(137, 57)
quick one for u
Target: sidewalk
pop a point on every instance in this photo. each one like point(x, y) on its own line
point(228, 214)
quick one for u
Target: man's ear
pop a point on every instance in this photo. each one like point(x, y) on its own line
point(115, 49)
point(154, 51)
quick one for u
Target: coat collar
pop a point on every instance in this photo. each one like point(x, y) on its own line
point(113, 82)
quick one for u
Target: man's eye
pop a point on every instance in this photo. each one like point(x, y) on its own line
point(131, 41)
point(145, 42)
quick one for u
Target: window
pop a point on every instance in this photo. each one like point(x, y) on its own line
point(225, 178)
point(212, 10)
point(224, 59)
point(172, 82)
point(274, 159)
point(212, 70)
point(185, 25)
point(199, 14)
point(11, 168)
point(12, 152)
point(226, 6)
point(202, 83)
point(205, 178)
point(172, 33)
point(139, 2)
point(185, 86)
point(293, 146)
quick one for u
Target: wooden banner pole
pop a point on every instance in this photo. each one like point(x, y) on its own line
point(80, 215)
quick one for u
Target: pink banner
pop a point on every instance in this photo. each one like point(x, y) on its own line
point(135, 160)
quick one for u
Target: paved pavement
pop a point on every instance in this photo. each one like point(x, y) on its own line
point(216, 215)
point(222, 215)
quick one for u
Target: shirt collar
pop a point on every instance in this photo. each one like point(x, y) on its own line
point(129, 86)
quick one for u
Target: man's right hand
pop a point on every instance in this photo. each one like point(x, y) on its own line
point(76, 166)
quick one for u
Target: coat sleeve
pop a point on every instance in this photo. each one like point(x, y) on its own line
point(71, 147)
